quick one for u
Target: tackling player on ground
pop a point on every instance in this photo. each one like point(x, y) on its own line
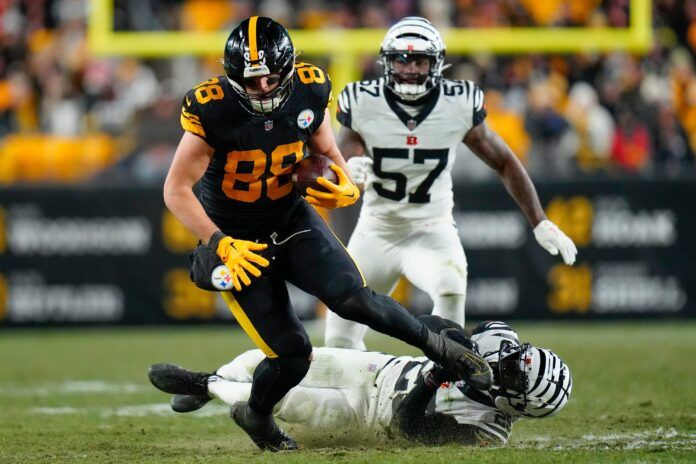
point(409, 124)
point(244, 133)
point(406, 395)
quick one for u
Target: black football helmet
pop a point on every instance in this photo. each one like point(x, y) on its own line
point(260, 46)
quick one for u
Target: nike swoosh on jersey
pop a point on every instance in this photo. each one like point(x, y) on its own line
point(188, 102)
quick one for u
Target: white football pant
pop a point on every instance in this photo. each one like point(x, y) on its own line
point(428, 254)
point(336, 391)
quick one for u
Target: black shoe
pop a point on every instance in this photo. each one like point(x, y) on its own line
point(175, 379)
point(188, 403)
point(262, 429)
point(459, 360)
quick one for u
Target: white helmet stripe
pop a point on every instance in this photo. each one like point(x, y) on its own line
point(552, 384)
point(540, 372)
point(343, 102)
point(478, 99)
point(411, 23)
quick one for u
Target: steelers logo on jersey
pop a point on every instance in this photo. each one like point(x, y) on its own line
point(305, 118)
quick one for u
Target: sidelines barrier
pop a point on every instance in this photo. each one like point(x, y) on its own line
point(116, 256)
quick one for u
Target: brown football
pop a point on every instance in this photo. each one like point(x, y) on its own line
point(309, 169)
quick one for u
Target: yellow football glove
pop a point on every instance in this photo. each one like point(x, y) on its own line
point(345, 193)
point(238, 256)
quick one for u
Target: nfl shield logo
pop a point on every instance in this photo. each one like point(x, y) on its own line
point(268, 125)
point(411, 124)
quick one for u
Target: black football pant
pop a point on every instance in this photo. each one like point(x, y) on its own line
point(306, 253)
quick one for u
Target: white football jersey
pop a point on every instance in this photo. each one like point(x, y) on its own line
point(398, 377)
point(412, 154)
point(350, 388)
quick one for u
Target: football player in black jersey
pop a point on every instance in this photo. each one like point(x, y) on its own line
point(244, 133)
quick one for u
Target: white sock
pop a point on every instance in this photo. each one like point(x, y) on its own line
point(229, 392)
point(450, 307)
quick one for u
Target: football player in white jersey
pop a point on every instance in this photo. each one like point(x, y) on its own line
point(408, 396)
point(409, 124)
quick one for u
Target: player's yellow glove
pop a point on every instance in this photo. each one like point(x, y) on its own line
point(238, 256)
point(345, 193)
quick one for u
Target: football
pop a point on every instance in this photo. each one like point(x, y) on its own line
point(309, 169)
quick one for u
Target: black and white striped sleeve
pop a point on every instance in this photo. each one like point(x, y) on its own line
point(344, 111)
point(474, 97)
point(479, 107)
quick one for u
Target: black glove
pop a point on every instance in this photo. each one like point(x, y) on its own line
point(203, 261)
point(437, 376)
point(449, 329)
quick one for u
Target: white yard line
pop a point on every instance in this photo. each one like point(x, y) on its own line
point(661, 437)
point(140, 410)
point(669, 438)
point(73, 387)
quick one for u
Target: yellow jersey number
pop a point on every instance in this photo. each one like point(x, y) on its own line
point(310, 74)
point(208, 90)
point(243, 170)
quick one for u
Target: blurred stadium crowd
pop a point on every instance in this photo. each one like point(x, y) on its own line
point(68, 116)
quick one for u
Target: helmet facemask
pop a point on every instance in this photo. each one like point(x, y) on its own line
point(530, 381)
point(410, 85)
point(265, 102)
point(510, 375)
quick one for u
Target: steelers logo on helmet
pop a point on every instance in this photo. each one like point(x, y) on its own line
point(221, 278)
point(305, 118)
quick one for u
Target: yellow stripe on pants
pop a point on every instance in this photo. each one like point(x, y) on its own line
point(246, 324)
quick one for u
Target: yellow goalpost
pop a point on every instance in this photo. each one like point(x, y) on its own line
point(345, 46)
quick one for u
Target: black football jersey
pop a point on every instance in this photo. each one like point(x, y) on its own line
point(247, 187)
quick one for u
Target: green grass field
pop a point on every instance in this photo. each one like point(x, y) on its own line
point(83, 396)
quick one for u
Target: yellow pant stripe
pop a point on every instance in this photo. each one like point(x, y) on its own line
point(253, 51)
point(246, 324)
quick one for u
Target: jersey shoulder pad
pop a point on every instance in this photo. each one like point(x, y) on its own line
point(356, 95)
point(315, 80)
point(200, 104)
point(470, 97)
